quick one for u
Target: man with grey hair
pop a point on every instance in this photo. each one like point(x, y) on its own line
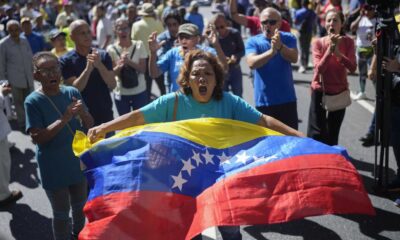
point(270, 55)
point(16, 67)
point(90, 71)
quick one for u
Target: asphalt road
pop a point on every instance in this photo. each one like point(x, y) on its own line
point(30, 218)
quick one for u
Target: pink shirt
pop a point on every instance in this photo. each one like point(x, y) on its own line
point(332, 69)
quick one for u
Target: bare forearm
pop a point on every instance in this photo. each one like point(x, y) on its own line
point(276, 125)
point(289, 54)
point(107, 75)
point(81, 81)
point(221, 56)
point(155, 72)
point(130, 119)
point(87, 120)
point(42, 136)
point(256, 61)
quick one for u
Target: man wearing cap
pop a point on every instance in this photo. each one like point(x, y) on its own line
point(141, 30)
point(90, 71)
point(270, 55)
point(16, 67)
point(35, 39)
point(171, 62)
point(57, 39)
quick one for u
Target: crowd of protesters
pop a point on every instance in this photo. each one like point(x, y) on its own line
point(122, 46)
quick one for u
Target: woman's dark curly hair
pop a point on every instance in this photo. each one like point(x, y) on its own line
point(184, 74)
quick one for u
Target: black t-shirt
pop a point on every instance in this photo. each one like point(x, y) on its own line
point(96, 93)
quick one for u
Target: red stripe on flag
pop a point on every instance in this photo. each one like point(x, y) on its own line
point(275, 192)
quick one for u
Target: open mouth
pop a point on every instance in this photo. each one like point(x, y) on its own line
point(53, 81)
point(203, 90)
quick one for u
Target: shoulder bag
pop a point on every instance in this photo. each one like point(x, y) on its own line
point(335, 102)
point(128, 75)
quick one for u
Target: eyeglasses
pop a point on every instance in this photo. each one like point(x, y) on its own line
point(270, 22)
point(48, 72)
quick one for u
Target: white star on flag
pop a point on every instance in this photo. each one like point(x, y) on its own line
point(208, 157)
point(196, 157)
point(242, 158)
point(224, 159)
point(178, 181)
point(187, 166)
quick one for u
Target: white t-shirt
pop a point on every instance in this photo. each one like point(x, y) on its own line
point(103, 29)
point(365, 32)
point(140, 53)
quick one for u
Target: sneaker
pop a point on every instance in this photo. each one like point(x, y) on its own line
point(397, 202)
point(302, 69)
point(360, 96)
point(394, 185)
point(14, 196)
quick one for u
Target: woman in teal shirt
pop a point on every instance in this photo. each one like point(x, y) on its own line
point(201, 82)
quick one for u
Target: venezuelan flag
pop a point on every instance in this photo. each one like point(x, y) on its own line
point(173, 180)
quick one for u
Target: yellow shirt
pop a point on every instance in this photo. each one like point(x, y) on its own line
point(142, 29)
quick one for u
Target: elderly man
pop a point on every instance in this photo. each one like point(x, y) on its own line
point(16, 67)
point(270, 54)
point(171, 61)
point(141, 30)
point(90, 71)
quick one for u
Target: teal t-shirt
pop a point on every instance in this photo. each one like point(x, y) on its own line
point(58, 165)
point(229, 107)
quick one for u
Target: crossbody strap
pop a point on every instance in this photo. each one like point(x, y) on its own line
point(119, 54)
point(57, 110)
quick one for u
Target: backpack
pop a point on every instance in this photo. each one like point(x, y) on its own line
point(128, 75)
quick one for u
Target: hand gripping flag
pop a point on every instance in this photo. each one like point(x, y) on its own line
point(173, 180)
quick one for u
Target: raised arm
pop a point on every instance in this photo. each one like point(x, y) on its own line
point(130, 119)
point(237, 17)
point(154, 70)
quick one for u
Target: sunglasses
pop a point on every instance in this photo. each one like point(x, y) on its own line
point(49, 72)
point(270, 22)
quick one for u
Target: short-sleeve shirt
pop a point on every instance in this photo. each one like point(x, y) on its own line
point(229, 107)
point(273, 82)
point(58, 165)
point(172, 61)
point(96, 93)
point(140, 53)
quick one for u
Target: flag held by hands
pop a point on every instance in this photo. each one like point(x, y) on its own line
point(173, 180)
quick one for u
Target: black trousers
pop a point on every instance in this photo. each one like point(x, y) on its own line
point(323, 126)
point(286, 113)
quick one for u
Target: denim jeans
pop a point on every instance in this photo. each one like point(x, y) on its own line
point(363, 62)
point(62, 200)
point(128, 103)
point(234, 80)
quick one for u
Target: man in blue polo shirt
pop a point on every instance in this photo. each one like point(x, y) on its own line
point(90, 71)
point(270, 54)
point(171, 61)
point(35, 39)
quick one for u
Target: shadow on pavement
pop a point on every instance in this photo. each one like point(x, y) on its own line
point(23, 170)
point(307, 229)
point(22, 227)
